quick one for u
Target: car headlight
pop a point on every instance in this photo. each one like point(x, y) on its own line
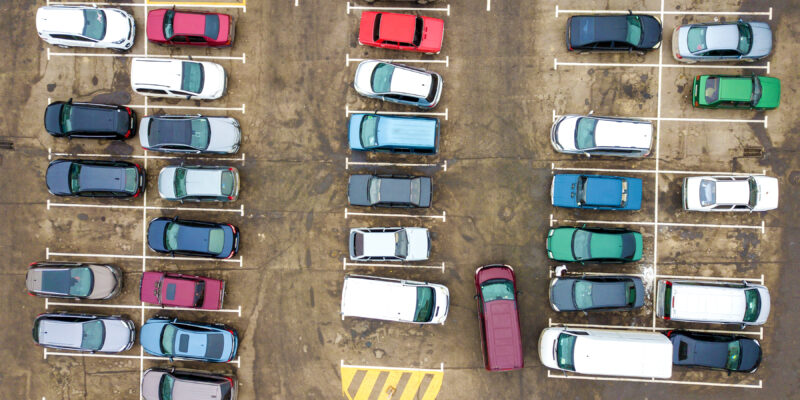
point(551, 232)
point(550, 254)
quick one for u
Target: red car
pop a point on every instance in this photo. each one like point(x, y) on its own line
point(499, 318)
point(178, 290)
point(167, 26)
point(401, 32)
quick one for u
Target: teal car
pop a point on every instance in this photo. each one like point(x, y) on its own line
point(373, 132)
point(595, 245)
point(746, 92)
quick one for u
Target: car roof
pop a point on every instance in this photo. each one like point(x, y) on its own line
point(157, 72)
point(176, 290)
point(732, 192)
point(60, 333)
point(61, 19)
point(203, 182)
point(185, 389)
point(503, 339)
point(739, 88)
point(378, 244)
point(194, 238)
point(587, 29)
point(102, 177)
point(397, 27)
point(704, 302)
point(722, 37)
point(603, 191)
point(185, 23)
point(624, 353)
point(386, 299)
point(627, 134)
point(406, 131)
point(97, 118)
point(395, 189)
point(405, 80)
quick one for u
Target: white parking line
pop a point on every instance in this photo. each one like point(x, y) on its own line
point(653, 171)
point(348, 163)
point(677, 12)
point(550, 323)
point(556, 64)
point(653, 380)
point(49, 253)
point(130, 55)
point(50, 154)
point(651, 223)
point(488, 5)
point(142, 306)
point(240, 210)
point(443, 217)
point(168, 107)
point(348, 111)
point(124, 356)
point(343, 365)
point(354, 7)
point(243, 7)
point(685, 119)
point(446, 60)
point(712, 278)
point(389, 265)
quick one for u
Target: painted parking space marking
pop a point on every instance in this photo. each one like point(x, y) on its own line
point(654, 380)
point(653, 171)
point(348, 163)
point(355, 7)
point(345, 264)
point(764, 121)
point(557, 63)
point(239, 210)
point(443, 217)
point(50, 155)
point(348, 111)
point(446, 61)
point(761, 227)
point(760, 280)
point(148, 3)
point(49, 253)
point(759, 332)
point(142, 306)
point(398, 383)
point(663, 12)
point(47, 353)
point(195, 108)
point(129, 55)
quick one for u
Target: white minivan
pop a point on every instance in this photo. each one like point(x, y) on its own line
point(713, 302)
point(606, 352)
point(394, 300)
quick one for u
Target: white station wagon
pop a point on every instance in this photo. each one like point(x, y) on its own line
point(603, 136)
point(398, 83)
point(199, 183)
point(86, 26)
point(730, 193)
point(200, 80)
point(389, 244)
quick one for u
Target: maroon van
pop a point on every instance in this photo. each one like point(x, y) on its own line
point(499, 317)
point(178, 290)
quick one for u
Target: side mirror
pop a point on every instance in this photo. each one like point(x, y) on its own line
point(586, 153)
point(475, 297)
point(591, 112)
point(188, 97)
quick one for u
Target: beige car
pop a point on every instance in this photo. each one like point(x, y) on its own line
point(73, 280)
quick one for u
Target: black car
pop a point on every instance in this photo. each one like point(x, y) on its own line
point(389, 191)
point(88, 120)
point(633, 32)
point(708, 350)
point(92, 178)
point(193, 238)
point(596, 293)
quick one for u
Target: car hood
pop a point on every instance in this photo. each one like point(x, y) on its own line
point(118, 27)
point(105, 282)
point(357, 190)
point(418, 244)
point(559, 244)
point(150, 336)
point(118, 335)
point(166, 183)
point(762, 40)
point(770, 92)
point(563, 192)
point(155, 234)
point(147, 288)
point(57, 177)
point(363, 78)
point(561, 294)
point(214, 80)
point(691, 189)
point(563, 132)
point(750, 352)
point(547, 347)
point(52, 119)
point(225, 135)
point(767, 193)
point(151, 383)
point(354, 131)
point(652, 31)
point(765, 306)
point(155, 24)
point(144, 129)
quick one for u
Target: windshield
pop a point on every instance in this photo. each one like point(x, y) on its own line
point(708, 192)
point(94, 26)
point(756, 96)
point(424, 310)
point(401, 244)
point(201, 131)
point(734, 356)
point(583, 294)
point(165, 388)
point(171, 237)
point(753, 192)
point(565, 348)
point(92, 335)
point(168, 339)
point(382, 78)
point(753, 301)
point(168, 32)
point(712, 92)
point(745, 38)
point(696, 39)
point(374, 190)
point(581, 244)
point(74, 180)
point(66, 121)
point(369, 131)
point(80, 281)
point(192, 77)
point(584, 133)
point(497, 289)
point(227, 183)
point(180, 182)
point(634, 30)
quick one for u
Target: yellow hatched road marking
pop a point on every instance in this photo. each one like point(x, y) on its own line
point(393, 376)
point(433, 387)
point(410, 391)
point(391, 382)
point(366, 385)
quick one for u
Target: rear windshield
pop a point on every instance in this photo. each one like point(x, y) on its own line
point(168, 339)
point(171, 236)
point(697, 39)
point(418, 29)
point(712, 90)
point(180, 182)
point(401, 244)
point(212, 26)
point(434, 88)
point(192, 79)
point(92, 335)
point(497, 289)
point(168, 32)
point(634, 35)
point(667, 300)
point(425, 299)
point(66, 118)
point(583, 295)
point(216, 239)
point(584, 133)
point(94, 25)
point(201, 132)
point(581, 245)
point(745, 38)
point(734, 356)
point(369, 131)
point(382, 78)
point(74, 178)
point(227, 183)
point(708, 192)
point(565, 348)
point(131, 183)
point(753, 305)
point(374, 190)
point(165, 387)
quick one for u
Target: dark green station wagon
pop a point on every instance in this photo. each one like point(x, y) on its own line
point(747, 92)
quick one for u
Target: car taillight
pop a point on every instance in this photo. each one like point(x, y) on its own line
point(232, 227)
point(31, 294)
point(230, 255)
point(229, 379)
point(31, 264)
point(678, 56)
point(230, 168)
point(669, 333)
point(570, 48)
point(230, 197)
point(136, 194)
point(139, 167)
point(128, 134)
point(696, 103)
point(129, 111)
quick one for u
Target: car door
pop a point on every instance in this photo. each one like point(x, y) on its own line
point(388, 44)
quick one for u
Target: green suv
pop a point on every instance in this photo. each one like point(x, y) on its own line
point(748, 92)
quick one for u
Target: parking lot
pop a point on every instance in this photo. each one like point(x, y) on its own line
point(507, 76)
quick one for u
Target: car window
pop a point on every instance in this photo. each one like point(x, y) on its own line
point(153, 91)
point(195, 39)
point(584, 133)
point(201, 131)
point(227, 183)
point(582, 294)
point(74, 178)
point(434, 88)
point(497, 289)
point(753, 192)
point(374, 190)
point(745, 38)
point(634, 35)
point(712, 90)
point(168, 339)
point(696, 39)
point(216, 239)
point(93, 333)
point(401, 243)
point(168, 18)
point(382, 78)
point(708, 192)
point(734, 356)
point(565, 348)
point(180, 182)
point(415, 191)
point(130, 179)
point(165, 387)
point(377, 28)
point(418, 27)
point(171, 236)
point(212, 26)
point(753, 307)
point(667, 300)
point(581, 245)
point(192, 79)
point(424, 310)
point(66, 118)
point(756, 95)
point(369, 131)
point(80, 281)
point(94, 25)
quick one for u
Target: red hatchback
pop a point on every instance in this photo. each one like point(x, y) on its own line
point(401, 32)
point(178, 290)
point(167, 26)
point(499, 318)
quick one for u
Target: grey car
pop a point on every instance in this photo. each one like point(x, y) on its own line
point(401, 191)
point(161, 384)
point(84, 332)
point(596, 293)
point(73, 280)
point(190, 134)
point(199, 183)
point(726, 41)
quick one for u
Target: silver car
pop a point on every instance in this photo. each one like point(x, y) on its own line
point(190, 134)
point(84, 332)
point(159, 384)
point(86, 26)
point(390, 244)
point(606, 136)
point(199, 183)
point(740, 40)
point(730, 193)
point(398, 83)
point(73, 280)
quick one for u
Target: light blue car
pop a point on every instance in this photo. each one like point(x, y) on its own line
point(167, 337)
point(726, 41)
point(373, 132)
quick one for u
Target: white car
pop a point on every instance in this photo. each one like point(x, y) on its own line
point(713, 302)
point(603, 136)
point(86, 26)
point(390, 244)
point(730, 193)
point(396, 300)
point(199, 80)
point(398, 83)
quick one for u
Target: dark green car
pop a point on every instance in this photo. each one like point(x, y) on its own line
point(747, 92)
point(596, 245)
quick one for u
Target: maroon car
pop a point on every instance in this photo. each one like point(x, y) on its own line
point(167, 26)
point(499, 318)
point(178, 290)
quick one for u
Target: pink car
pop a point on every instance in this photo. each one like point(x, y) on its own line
point(178, 290)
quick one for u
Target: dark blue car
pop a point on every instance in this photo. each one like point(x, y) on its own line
point(596, 192)
point(192, 238)
point(372, 132)
point(168, 337)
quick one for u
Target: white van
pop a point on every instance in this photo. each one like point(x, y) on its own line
point(394, 300)
point(606, 352)
point(713, 302)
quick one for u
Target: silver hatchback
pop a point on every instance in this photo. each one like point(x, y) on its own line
point(398, 83)
point(727, 41)
point(605, 136)
point(199, 183)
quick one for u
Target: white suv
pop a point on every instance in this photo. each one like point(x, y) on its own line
point(389, 244)
point(713, 302)
point(730, 193)
point(86, 26)
point(198, 80)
